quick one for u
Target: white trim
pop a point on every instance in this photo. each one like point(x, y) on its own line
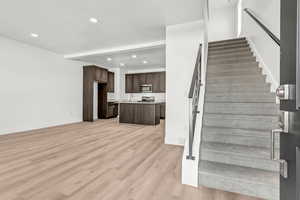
point(265, 69)
point(176, 142)
point(117, 49)
point(239, 18)
point(132, 71)
point(190, 168)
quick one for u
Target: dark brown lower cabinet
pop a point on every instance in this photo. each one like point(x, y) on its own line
point(111, 82)
point(112, 110)
point(163, 110)
point(140, 113)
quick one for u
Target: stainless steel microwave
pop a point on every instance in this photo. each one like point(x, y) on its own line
point(146, 88)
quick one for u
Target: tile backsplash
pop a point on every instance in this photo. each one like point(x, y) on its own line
point(136, 96)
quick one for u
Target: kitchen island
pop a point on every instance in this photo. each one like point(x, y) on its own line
point(138, 112)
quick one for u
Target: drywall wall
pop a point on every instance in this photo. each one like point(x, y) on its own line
point(95, 105)
point(38, 88)
point(120, 93)
point(182, 44)
point(222, 23)
point(265, 49)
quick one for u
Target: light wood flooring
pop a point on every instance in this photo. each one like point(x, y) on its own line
point(103, 160)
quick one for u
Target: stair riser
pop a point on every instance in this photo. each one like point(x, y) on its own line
point(254, 141)
point(256, 124)
point(235, 85)
point(237, 74)
point(241, 108)
point(225, 47)
point(231, 61)
point(266, 191)
point(240, 90)
point(233, 68)
point(241, 65)
point(235, 80)
point(228, 43)
point(226, 51)
point(231, 56)
point(238, 99)
point(243, 161)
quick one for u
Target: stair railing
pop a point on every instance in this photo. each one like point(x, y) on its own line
point(274, 37)
point(194, 95)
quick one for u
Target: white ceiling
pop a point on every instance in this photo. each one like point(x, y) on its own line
point(154, 55)
point(64, 27)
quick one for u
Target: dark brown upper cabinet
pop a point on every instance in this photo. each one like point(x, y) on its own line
point(129, 83)
point(156, 83)
point(143, 79)
point(101, 75)
point(149, 79)
point(111, 82)
point(91, 74)
point(136, 83)
point(162, 82)
point(133, 82)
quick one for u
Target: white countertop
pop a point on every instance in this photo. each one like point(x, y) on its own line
point(138, 102)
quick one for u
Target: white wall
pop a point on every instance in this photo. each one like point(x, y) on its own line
point(182, 44)
point(266, 50)
point(222, 23)
point(38, 88)
point(95, 104)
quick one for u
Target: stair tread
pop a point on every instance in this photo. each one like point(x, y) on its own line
point(239, 113)
point(224, 44)
point(253, 63)
point(238, 150)
point(239, 99)
point(237, 131)
point(251, 108)
point(232, 55)
point(233, 58)
point(245, 95)
point(236, 84)
point(222, 50)
point(228, 40)
point(243, 174)
point(238, 136)
point(229, 46)
point(244, 117)
point(255, 122)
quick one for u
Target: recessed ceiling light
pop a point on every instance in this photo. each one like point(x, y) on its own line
point(133, 56)
point(34, 35)
point(122, 64)
point(109, 59)
point(93, 20)
point(145, 61)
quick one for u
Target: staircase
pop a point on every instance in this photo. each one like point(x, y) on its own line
point(239, 114)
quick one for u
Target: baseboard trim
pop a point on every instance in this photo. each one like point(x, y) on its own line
point(265, 69)
point(173, 141)
point(26, 131)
